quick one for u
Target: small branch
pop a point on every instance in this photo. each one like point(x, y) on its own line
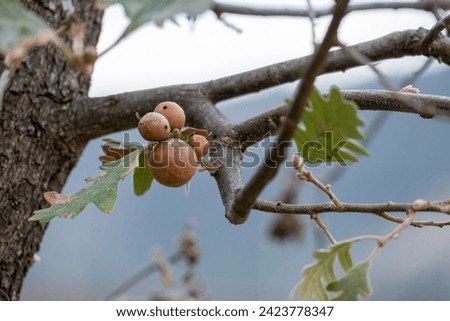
point(359, 57)
point(394, 45)
point(323, 227)
point(271, 207)
point(312, 16)
point(139, 276)
point(437, 15)
point(377, 209)
point(305, 175)
point(363, 60)
point(393, 235)
point(221, 8)
point(228, 177)
point(230, 25)
point(413, 223)
point(256, 128)
point(162, 264)
point(102, 115)
point(113, 45)
point(435, 32)
point(382, 100)
point(245, 198)
point(417, 74)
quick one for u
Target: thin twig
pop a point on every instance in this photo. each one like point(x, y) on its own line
point(380, 100)
point(162, 264)
point(417, 74)
point(434, 10)
point(361, 58)
point(229, 24)
point(221, 8)
point(323, 227)
point(312, 18)
point(306, 175)
point(434, 32)
point(364, 60)
point(139, 276)
point(377, 209)
point(394, 45)
point(244, 198)
point(437, 14)
point(393, 235)
point(113, 45)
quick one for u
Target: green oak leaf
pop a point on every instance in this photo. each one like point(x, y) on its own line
point(143, 11)
point(329, 131)
point(353, 284)
point(18, 23)
point(322, 271)
point(102, 191)
point(142, 178)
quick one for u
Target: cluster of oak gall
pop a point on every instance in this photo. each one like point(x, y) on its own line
point(171, 161)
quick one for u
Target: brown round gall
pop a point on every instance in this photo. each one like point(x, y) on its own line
point(172, 162)
point(154, 127)
point(173, 112)
point(200, 145)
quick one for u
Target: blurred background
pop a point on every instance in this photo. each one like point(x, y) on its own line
point(89, 257)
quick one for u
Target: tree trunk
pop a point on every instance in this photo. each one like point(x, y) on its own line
point(38, 148)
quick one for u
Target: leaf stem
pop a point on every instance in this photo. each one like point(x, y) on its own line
point(381, 242)
point(323, 227)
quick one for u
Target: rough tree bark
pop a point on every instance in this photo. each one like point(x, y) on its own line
point(37, 149)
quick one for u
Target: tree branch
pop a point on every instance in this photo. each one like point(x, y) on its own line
point(394, 45)
point(228, 177)
point(95, 117)
point(256, 128)
point(376, 209)
point(245, 198)
point(99, 116)
point(221, 8)
point(104, 115)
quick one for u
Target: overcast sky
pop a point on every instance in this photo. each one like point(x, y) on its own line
point(208, 49)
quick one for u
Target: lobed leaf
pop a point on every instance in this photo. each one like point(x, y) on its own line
point(353, 284)
point(329, 131)
point(322, 272)
point(18, 23)
point(102, 191)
